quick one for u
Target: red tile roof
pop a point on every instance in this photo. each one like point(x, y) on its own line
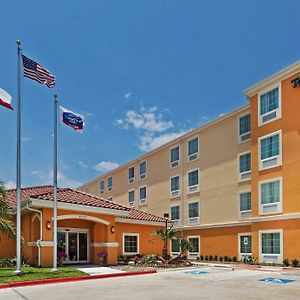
point(67, 195)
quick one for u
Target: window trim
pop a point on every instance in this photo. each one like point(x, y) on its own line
point(242, 255)
point(144, 186)
point(140, 175)
point(197, 185)
point(238, 165)
point(199, 245)
point(132, 190)
point(131, 180)
point(170, 157)
point(278, 256)
point(239, 204)
point(138, 243)
point(264, 91)
point(279, 156)
point(188, 156)
point(279, 204)
point(198, 218)
point(239, 136)
point(178, 194)
point(177, 221)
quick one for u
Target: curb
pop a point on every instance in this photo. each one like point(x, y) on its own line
point(71, 279)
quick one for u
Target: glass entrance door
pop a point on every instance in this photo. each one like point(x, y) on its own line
point(74, 245)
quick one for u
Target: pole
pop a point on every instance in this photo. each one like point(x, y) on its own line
point(54, 269)
point(18, 165)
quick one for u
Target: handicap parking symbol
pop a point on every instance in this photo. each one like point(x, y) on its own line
point(277, 280)
point(197, 272)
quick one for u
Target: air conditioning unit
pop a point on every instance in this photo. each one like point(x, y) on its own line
point(270, 207)
point(245, 176)
point(194, 188)
point(131, 180)
point(244, 137)
point(101, 192)
point(193, 255)
point(175, 164)
point(175, 193)
point(131, 204)
point(176, 222)
point(194, 220)
point(143, 201)
point(110, 188)
point(142, 176)
point(193, 156)
point(245, 214)
point(269, 116)
point(270, 162)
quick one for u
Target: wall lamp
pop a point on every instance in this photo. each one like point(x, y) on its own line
point(112, 229)
point(48, 225)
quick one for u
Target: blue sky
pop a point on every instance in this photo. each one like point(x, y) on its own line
point(142, 73)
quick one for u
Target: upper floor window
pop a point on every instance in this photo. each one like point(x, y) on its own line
point(131, 198)
point(269, 106)
point(143, 195)
point(175, 214)
point(194, 213)
point(245, 166)
point(193, 181)
point(193, 149)
point(244, 128)
point(109, 183)
point(102, 186)
point(175, 186)
point(245, 204)
point(143, 170)
point(270, 150)
point(131, 174)
point(271, 196)
point(174, 157)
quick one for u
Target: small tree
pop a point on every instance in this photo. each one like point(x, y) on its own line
point(185, 246)
point(165, 234)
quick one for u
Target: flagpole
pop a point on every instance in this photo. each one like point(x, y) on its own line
point(18, 165)
point(54, 269)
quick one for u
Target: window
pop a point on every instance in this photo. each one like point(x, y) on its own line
point(245, 166)
point(131, 174)
point(270, 243)
point(270, 151)
point(193, 181)
point(109, 183)
point(245, 204)
point(194, 241)
point(130, 243)
point(193, 149)
point(194, 213)
point(102, 186)
point(143, 170)
point(175, 214)
point(175, 247)
point(174, 157)
point(244, 128)
point(243, 247)
point(269, 106)
point(175, 186)
point(131, 198)
point(143, 195)
point(271, 196)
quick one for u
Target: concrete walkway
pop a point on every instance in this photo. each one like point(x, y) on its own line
point(96, 269)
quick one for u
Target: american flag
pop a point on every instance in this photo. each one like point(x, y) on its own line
point(36, 72)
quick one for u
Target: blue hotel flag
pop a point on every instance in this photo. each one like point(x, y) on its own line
point(72, 119)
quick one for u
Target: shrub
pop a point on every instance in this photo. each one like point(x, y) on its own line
point(286, 262)
point(201, 257)
point(206, 258)
point(221, 258)
point(215, 257)
point(226, 258)
point(210, 258)
point(234, 259)
point(229, 259)
point(295, 263)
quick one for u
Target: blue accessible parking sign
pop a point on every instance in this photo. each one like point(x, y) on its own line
point(197, 272)
point(277, 280)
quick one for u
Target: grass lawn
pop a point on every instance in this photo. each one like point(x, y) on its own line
point(30, 273)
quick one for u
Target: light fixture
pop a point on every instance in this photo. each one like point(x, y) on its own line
point(48, 225)
point(112, 229)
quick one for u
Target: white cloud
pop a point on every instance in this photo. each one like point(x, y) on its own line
point(127, 95)
point(150, 142)
point(82, 164)
point(10, 185)
point(26, 139)
point(105, 166)
point(146, 119)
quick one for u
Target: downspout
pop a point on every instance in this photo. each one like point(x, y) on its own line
point(38, 242)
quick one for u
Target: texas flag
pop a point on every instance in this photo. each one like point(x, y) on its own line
point(72, 119)
point(5, 99)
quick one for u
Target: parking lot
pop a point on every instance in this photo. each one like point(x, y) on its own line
point(196, 283)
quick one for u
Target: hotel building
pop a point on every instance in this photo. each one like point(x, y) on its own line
point(231, 186)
